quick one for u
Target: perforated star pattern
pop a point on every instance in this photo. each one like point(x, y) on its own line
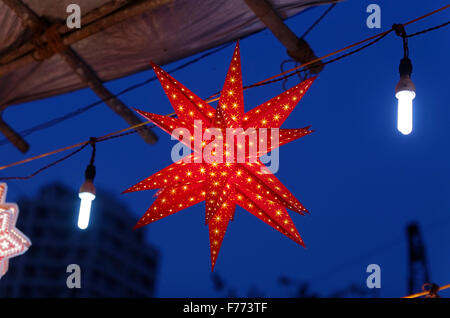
point(12, 241)
point(224, 183)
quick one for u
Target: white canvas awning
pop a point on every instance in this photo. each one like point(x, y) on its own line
point(118, 43)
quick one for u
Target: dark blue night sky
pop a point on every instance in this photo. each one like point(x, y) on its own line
point(362, 180)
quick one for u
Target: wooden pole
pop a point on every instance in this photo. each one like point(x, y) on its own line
point(83, 70)
point(297, 48)
point(13, 137)
point(129, 11)
point(90, 77)
point(88, 18)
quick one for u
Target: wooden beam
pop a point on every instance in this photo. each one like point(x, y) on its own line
point(10, 134)
point(83, 70)
point(133, 9)
point(297, 48)
point(88, 18)
point(13, 137)
point(90, 77)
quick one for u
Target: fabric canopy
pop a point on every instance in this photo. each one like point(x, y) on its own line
point(170, 32)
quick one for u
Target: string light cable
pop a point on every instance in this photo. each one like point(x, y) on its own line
point(324, 14)
point(78, 147)
point(372, 40)
point(82, 110)
point(275, 78)
point(429, 291)
point(53, 122)
point(306, 74)
point(429, 29)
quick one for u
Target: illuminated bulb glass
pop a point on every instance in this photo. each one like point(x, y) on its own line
point(405, 111)
point(85, 209)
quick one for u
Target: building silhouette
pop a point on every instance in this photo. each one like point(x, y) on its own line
point(115, 261)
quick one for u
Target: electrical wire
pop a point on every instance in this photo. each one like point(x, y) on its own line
point(325, 63)
point(318, 20)
point(140, 125)
point(80, 146)
point(81, 110)
point(357, 44)
point(92, 141)
point(306, 74)
point(427, 292)
point(429, 29)
point(278, 77)
point(374, 39)
point(54, 163)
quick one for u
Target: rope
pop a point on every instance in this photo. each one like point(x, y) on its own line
point(269, 80)
point(54, 43)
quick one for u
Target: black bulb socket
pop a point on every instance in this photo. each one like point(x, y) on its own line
point(405, 67)
point(89, 174)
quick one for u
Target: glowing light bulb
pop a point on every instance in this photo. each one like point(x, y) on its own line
point(85, 209)
point(405, 92)
point(87, 195)
point(405, 111)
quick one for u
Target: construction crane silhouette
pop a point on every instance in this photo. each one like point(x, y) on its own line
point(418, 269)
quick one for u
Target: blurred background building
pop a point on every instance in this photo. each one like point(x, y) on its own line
point(115, 261)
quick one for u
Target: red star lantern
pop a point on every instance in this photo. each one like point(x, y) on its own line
point(223, 183)
point(12, 241)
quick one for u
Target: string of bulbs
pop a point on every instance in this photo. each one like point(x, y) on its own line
point(405, 93)
point(270, 80)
